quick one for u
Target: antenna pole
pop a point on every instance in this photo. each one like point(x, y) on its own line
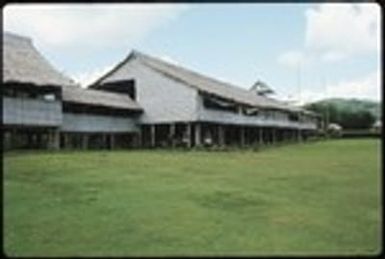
point(327, 105)
point(299, 99)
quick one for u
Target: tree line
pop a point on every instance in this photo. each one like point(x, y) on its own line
point(348, 118)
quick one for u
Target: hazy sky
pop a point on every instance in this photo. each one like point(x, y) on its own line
point(303, 51)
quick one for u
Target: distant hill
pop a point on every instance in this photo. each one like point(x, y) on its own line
point(349, 113)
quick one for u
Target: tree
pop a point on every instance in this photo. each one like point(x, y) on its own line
point(347, 117)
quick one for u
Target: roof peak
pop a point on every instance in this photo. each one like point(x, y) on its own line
point(22, 62)
point(11, 36)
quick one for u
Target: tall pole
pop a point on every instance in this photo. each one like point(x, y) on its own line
point(327, 106)
point(299, 99)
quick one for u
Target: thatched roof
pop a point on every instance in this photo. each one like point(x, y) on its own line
point(22, 63)
point(99, 98)
point(202, 83)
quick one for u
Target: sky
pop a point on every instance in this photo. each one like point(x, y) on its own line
point(305, 52)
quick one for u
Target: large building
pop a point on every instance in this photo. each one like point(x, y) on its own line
point(182, 106)
point(142, 102)
point(44, 109)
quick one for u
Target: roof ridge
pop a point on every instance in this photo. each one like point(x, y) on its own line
point(139, 54)
point(183, 74)
point(203, 76)
point(189, 70)
point(17, 68)
point(114, 68)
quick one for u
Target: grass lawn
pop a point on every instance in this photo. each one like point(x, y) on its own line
point(318, 198)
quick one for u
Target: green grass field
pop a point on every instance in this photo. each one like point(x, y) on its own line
point(320, 198)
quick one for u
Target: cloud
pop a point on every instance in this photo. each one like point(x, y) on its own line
point(291, 58)
point(343, 29)
point(332, 56)
point(366, 87)
point(84, 33)
point(337, 31)
point(295, 58)
point(88, 25)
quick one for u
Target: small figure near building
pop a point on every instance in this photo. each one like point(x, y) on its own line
point(334, 130)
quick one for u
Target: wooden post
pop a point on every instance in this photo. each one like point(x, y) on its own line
point(84, 141)
point(294, 132)
point(31, 140)
point(277, 135)
point(47, 140)
point(38, 140)
point(221, 135)
point(65, 140)
point(260, 136)
point(188, 134)
point(104, 141)
point(53, 139)
point(12, 138)
point(69, 140)
point(242, 135)
point(112, 141)
point(273, 136)
point(56, 136)
point(255, 136)
point(198, 135)
point(172, 134)
point(288, 135)
point(153, 135)
point(299, 135)
point(140, 138)
point(7, 140)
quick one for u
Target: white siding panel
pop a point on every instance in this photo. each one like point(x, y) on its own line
point(162, 98)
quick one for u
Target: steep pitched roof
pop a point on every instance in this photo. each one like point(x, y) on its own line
point(99, 98)
point(201, 82)
point(23, 63)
